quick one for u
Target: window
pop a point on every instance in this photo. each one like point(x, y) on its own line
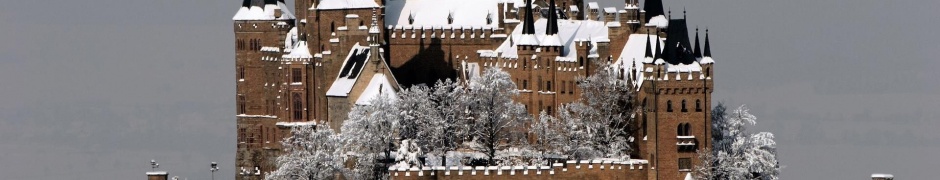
point(563, 87)
point(685, 164)
point(549, 86)
point(581, 61)
point(698, 105)
point(572, 87)
point(550, 110)
point(241, 72)
point(332, 26)
point(296, 75)
point(683, 106)
point(241, 134)
point(298, 107)
point(241, 105)
point(684, 129)
point(668, 106)
point(525, 84)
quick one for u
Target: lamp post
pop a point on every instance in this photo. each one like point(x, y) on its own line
point(213, 168)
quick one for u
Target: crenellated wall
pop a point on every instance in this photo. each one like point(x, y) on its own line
point(597, 170)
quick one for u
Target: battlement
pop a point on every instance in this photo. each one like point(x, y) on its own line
point(585, 169)
point(446, 32)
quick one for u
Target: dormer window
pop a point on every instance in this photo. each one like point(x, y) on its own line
point(450, 18)
point(489, 18)
point(411, 18)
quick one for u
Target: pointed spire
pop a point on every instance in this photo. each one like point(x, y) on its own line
point(552, 27)
point(528, 26)
point(658, 51)
point(653, 8)
point(708, 49)
point(246, 3)
point(697, 51)
point(683, 13)
point(649, 49)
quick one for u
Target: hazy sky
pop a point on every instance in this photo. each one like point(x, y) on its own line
point(95, 89)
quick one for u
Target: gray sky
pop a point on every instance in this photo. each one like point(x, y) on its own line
point(94, 90)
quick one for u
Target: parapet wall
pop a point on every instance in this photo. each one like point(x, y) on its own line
point(599, 170)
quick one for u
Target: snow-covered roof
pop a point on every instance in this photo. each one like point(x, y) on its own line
point(295, 124)
point(569, 32)
point(633, 55)
point(264, 13)
point(688, 176)
point(707, 60)
point(299, 51)
point(658, 21)
point(378, 86)
point(882, 176)
point(435, 13)
point(346, 4)
point(352, 67)
point(290, 39)
point(154, 173)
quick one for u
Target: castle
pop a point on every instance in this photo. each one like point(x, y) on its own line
point(312, 63)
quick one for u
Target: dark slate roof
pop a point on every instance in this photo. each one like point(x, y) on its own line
point(552, 27)
point(246, 3)
point(528, 26)
point(653, 8)
point(697, 51)
point(708, 49)
point(270, 1)
point(354, 64)
point(678, 49)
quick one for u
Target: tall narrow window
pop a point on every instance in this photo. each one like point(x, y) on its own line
point(549, 86)
point(581, 61)
point(241, 105)
point(241, 72)
point(525, 84)
point(669, 106)
point(571, 91)
point(563, 87)
point(298, 107)
point(296, 75)
point(683, 106)
point(698, 105)
point(332, 26)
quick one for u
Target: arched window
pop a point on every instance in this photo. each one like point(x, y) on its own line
point(669, 106)
point(298, 107)
point(581, 61)
point(332, 26)
point(708, 72)
point(683, 106)
point(688, 129)
point(698, 105)
point(679, 130)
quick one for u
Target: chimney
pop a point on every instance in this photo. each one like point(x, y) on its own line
point(156, 175)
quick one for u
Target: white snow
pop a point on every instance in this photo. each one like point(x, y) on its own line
point(882, 176)
point(688, 176)
point(633, 55)
point(707, 60)
point(299, 52)
point(263, 13)
point(296, 124)
point(378, 86)
point(659, 21)
point(342, 85)
point(156, 173)
point(435, 13)
point(569, 33)
point(346, 4)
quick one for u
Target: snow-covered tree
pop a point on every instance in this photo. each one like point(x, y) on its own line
point(310, 153)
point(448, 124)
point(551, 136)
point(367, 136)
point(602, 119)
point(497, 119)
point(737, 154)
